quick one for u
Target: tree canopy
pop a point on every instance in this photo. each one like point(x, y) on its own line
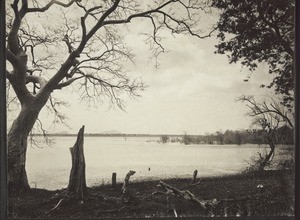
point(253, 31)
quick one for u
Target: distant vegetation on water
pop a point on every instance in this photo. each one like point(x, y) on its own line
point(284, 135)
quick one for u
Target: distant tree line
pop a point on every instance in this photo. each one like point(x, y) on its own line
point(284, 135)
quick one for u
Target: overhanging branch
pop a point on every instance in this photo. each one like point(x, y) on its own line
point(12, 58)
point(67, 83)
point(53, 2)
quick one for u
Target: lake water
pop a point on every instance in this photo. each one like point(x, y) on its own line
point(49, 167)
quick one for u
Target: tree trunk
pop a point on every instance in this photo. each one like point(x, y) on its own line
point(268, 158)
point(77, 182)
point(17, 147)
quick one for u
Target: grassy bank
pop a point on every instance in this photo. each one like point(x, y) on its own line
point(260, 193)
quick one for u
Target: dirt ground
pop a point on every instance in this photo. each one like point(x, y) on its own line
point(268, 193)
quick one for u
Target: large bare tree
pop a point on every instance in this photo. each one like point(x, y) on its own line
point(55, 44)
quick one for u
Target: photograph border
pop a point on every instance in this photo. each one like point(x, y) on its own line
point(297, 103)
point(3, 129)
point(3, 158)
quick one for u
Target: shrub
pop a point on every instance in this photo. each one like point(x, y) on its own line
point(164, 138)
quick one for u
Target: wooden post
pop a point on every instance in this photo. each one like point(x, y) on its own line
point(114, 180)
point(194, 176)
point(77, 181)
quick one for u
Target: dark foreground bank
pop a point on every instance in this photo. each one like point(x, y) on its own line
point(268, 193)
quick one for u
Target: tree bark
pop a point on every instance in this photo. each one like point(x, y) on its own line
point(17, 147)
point(268, 158)
point(77, 181)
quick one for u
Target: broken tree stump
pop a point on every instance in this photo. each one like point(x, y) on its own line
point(194, 176)
point(124, 189)
point(77, 181)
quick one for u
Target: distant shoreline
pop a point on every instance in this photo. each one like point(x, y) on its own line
point(112, 135)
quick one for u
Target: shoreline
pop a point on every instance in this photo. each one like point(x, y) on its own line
point(257, 193)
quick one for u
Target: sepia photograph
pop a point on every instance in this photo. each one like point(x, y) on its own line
point(149, 108)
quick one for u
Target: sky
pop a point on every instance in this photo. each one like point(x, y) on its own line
point(194, 90)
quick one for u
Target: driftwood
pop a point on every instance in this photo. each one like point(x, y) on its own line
point(77, 182)
point(174, 211)
point(59, 204)
point(191, 185)
point(183, 194)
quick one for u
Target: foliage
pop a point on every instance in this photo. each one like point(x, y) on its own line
point(285, 160)
point(164, 138)
point(187, 139)
point(284, 134)
point(287, 163)
point(258, 162)
point(260, 31)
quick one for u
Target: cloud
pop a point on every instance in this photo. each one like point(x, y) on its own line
point(193, 90)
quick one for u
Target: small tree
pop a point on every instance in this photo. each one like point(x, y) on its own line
point(269, 117)
point(187, 139)
point(220, 137)
point(164, 138)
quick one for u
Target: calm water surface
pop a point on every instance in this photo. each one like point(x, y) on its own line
point(49, 167)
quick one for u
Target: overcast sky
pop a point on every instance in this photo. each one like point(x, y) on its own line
point(193, 90)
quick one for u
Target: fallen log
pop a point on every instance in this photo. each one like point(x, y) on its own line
point(191, 185)
point(183, 194)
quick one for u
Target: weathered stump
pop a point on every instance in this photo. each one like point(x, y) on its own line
point(124, 190)
point(77, 181)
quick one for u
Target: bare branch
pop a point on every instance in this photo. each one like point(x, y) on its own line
point(269, 114)
point(52, 2)
point(53, 108)
point(39, 128)
point(67, 83)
